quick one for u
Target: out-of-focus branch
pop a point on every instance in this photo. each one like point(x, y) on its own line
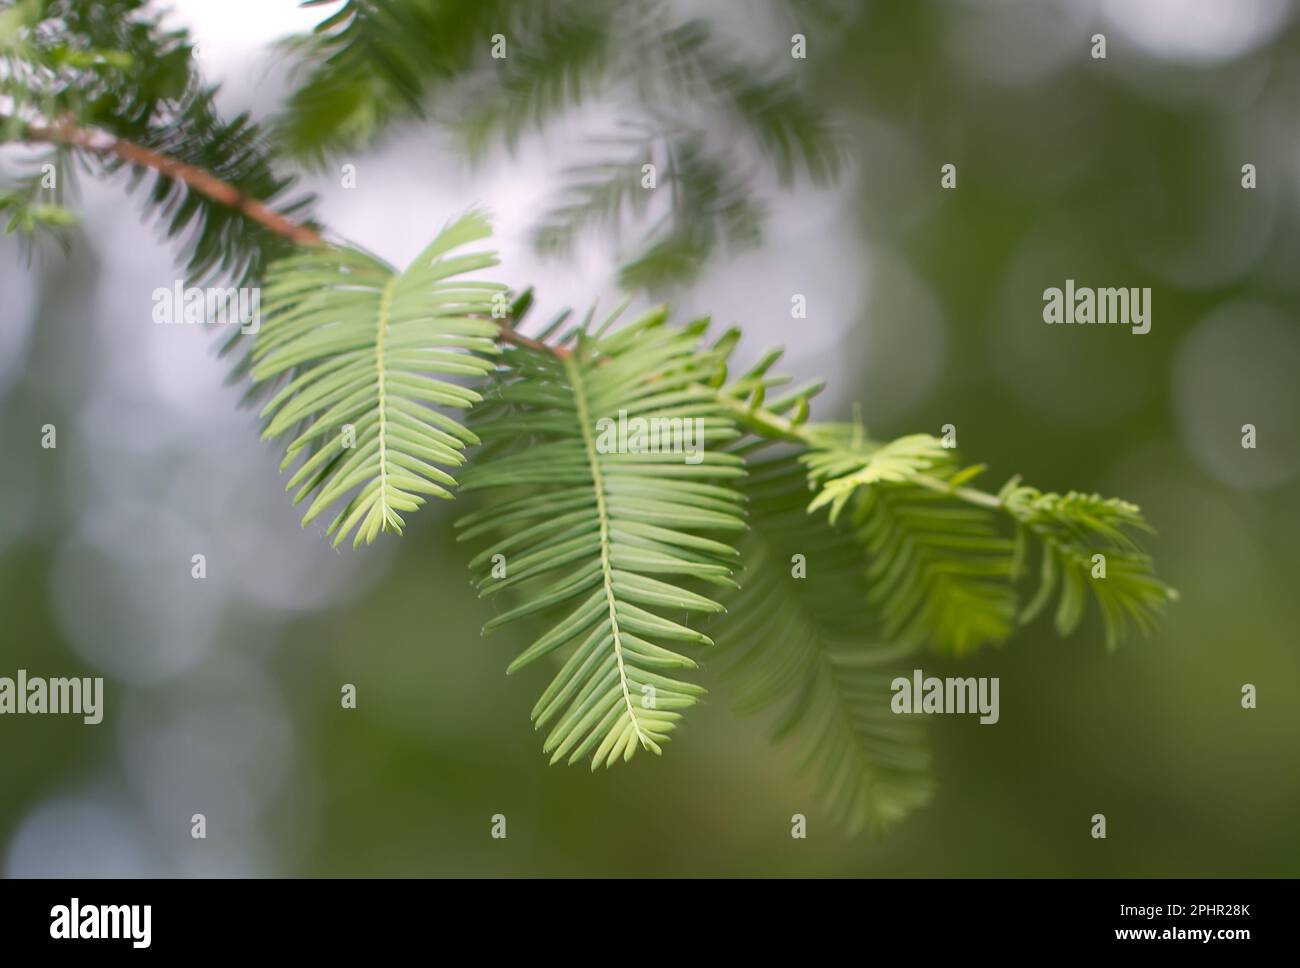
point(201, 181)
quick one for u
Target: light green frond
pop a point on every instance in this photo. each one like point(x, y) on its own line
point(939, 570)
point(351, 347)
point(806, 645)
point(840, 470)
point(601, 539)
point(1074, 529)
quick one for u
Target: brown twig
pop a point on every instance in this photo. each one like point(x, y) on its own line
point(222, 192)
point(203, 182)
point(513, 336)
point(519, 339)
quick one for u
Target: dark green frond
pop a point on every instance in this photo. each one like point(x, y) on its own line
point(596, 196)
point(768, 103)
point(603, 535)
point(710, 208)
point(220, 242)
point(560, 55)
point(110, 68)
point(107, 64)
point(350, 347)
point(804, 645)
point(367, 63)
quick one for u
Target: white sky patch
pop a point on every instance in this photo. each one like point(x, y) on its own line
point(1198, 31)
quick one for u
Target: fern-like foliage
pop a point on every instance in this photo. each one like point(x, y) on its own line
point(1073, 529)
point(940, 571)
point(943, 568)
point(352, 347)
point(807, 645)
point(604, 542)
point(848, 462)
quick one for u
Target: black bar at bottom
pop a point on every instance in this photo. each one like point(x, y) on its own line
point(337, 917)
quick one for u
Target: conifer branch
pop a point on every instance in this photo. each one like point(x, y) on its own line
point(204, 182)
point(773, 426)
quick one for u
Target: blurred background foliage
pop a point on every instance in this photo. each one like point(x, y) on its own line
point(682, 95)
point(817, 176)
